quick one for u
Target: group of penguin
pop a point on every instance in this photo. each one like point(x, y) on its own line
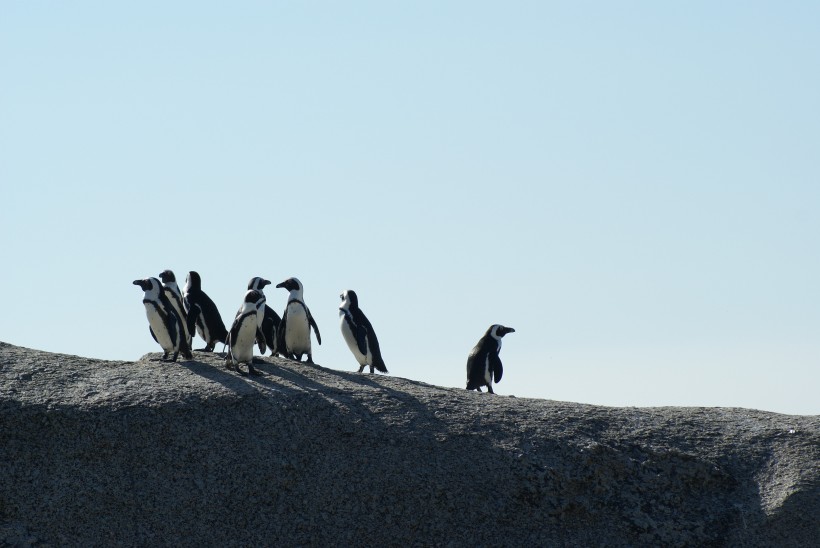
point(174, 315)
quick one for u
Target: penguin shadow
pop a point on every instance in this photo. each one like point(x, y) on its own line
point(294, 381)
point(342, 391)
point(277, 376)
point(214, 369)
point(215, 372)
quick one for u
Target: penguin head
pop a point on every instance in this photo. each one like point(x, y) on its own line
point(167, 276)
point(497, 331)
point(193, 281)
point(253, 296)
point(258, 283)
point(151, 286)
point(291, 284)
point(349, 300)
point(253, 301)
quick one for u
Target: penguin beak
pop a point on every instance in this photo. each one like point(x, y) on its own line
point(281, 284)
point(263, 283)
point(140, 283)
point(506, 330)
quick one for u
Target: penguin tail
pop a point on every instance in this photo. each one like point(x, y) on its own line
point(380, 366)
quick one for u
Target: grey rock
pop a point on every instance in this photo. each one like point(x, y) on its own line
point(101, 453)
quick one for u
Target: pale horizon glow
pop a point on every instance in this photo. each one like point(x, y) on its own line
point(635, 189)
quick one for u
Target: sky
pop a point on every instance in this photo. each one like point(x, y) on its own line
point(633, 186)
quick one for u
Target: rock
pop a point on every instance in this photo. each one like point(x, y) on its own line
point(100, 453)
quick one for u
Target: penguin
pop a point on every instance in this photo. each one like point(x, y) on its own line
point(359, 334)
point(269, 318)
point(202, 313)
point(245, 331)
point(483, 363)
point(169, 283)
point(296, 322)
point(163, 321)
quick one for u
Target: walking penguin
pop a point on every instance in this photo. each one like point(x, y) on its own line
point(483, 363)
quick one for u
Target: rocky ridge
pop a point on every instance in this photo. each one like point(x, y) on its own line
point(98, 453)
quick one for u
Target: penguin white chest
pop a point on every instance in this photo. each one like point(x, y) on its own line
point(157, 323)
point(242, 347)
point(297, 330)
point(488, 375)
point(350, 339)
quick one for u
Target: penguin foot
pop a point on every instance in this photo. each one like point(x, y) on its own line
point(206, 349)
point(252, 371)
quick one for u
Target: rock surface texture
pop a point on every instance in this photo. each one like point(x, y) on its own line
point(100, 453)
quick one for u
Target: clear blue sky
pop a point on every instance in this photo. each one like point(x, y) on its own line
point(633, 186)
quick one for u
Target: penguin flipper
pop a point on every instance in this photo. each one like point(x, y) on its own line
point(312, 322)
point(152, 334)
point(361, 339)
point(193, 315)
point(233, 332)
point(496, 367)
point(280, 335)
point(270, 327)
point(260, 341)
